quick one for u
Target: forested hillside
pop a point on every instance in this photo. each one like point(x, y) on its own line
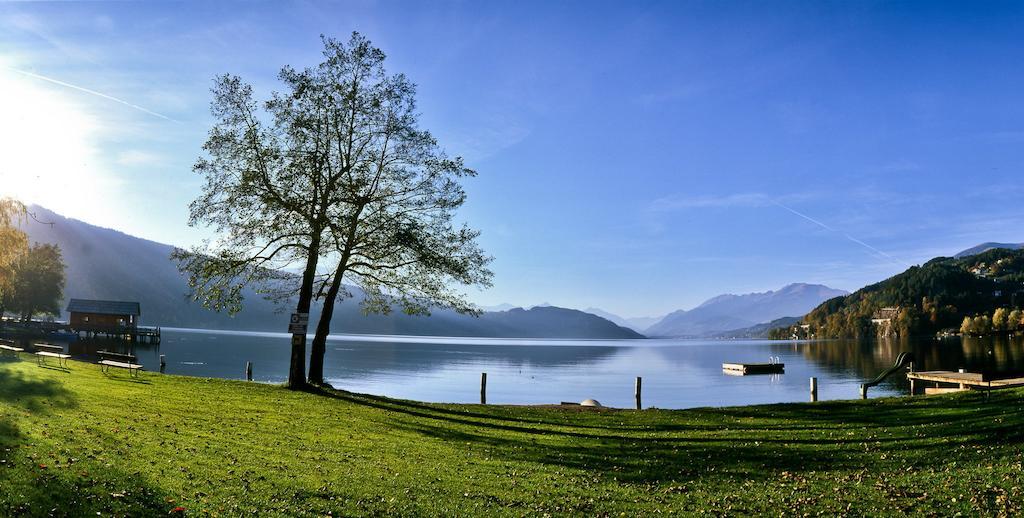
point(925, 299)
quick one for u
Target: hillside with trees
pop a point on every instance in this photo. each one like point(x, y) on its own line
point(925, 299)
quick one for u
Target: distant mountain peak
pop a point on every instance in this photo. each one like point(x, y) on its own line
point(730, 311)
point(985, 247)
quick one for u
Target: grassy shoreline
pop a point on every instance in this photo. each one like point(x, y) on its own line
point(80, 442)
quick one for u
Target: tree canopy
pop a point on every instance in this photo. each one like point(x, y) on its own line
point(38, 284)
point(13, 242)
point(333, 170)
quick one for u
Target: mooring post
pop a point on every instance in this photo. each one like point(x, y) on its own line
point(163, 363)
point(814, 389)
point(636, 391)
point(248, 371)
point(483, 388)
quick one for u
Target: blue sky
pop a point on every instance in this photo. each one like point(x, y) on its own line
point(638, 157)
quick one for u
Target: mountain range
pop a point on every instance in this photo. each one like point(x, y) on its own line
point(734, 312)
point(107, 264)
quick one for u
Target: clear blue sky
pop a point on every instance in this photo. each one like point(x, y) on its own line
point(638, 157)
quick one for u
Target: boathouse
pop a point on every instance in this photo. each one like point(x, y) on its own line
point(103, 315)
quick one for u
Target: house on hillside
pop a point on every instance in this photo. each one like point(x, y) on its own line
point(885, 315)
point(103, 315)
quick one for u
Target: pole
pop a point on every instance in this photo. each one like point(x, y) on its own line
point(483, 388)
point(163, 363)
point(637, 390)
point(910, 368)
point(814, 389)
point(248, 371)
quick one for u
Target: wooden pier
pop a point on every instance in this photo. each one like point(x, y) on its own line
point(965, 380)
point(131, 334)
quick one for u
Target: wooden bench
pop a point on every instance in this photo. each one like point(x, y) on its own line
point(110, 359)
point(8, 347)
point(45, 350)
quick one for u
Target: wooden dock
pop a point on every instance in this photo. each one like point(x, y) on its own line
point(743, 369)
point(965, 380)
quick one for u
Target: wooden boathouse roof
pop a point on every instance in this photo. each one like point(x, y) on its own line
point(104, 307)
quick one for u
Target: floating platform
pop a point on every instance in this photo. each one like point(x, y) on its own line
point(967, 380)
point(743, 369)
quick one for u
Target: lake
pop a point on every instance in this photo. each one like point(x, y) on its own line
point(676, 373)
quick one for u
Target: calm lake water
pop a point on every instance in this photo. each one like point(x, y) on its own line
point(676, 373)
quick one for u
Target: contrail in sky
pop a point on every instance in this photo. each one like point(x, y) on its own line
point(92, 92)
point(844, 234)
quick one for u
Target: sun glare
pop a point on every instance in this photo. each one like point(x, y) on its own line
point(48, 147)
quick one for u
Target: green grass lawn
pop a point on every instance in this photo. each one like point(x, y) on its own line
point(80, 442)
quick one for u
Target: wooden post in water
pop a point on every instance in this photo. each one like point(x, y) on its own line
point(248, 371)
point(483, 388)
point(636, 391)
point(910, 368)
point(163, 363)
point(814, 389)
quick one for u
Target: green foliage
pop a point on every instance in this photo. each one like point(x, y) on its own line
point(38, 282)
point(1003, 321)
point(1015, 320)
point(999, 319)
point(80, 443)
point(13, 242)
point(931, 297)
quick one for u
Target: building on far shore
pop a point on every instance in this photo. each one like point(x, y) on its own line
point(885, 315)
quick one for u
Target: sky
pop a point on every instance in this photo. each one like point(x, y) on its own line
point(638, 157)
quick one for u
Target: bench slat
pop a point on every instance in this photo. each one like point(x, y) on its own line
point(12, 348)
point(53, 355)
point(49, 347)
point(123, 365)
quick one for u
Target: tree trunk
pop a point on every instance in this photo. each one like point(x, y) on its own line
point(297, 369)
point(323, 327)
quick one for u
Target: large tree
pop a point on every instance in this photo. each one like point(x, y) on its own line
point(13, 243)
point(38, 285)
point(288, 179)
point(393, 234)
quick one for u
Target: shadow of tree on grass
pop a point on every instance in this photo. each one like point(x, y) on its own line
point(754, 443)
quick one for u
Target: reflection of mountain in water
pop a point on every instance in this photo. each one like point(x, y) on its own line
point(363, 358)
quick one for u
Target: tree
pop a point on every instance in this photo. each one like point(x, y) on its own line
point(13, 244)
point(392, 235)
point(967, 327)
point(38, 285)
point(294, 179)
point(1013, 321)
point(999, 319)
point(981, 325)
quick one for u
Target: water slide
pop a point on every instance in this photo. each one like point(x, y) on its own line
point(904, 359)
